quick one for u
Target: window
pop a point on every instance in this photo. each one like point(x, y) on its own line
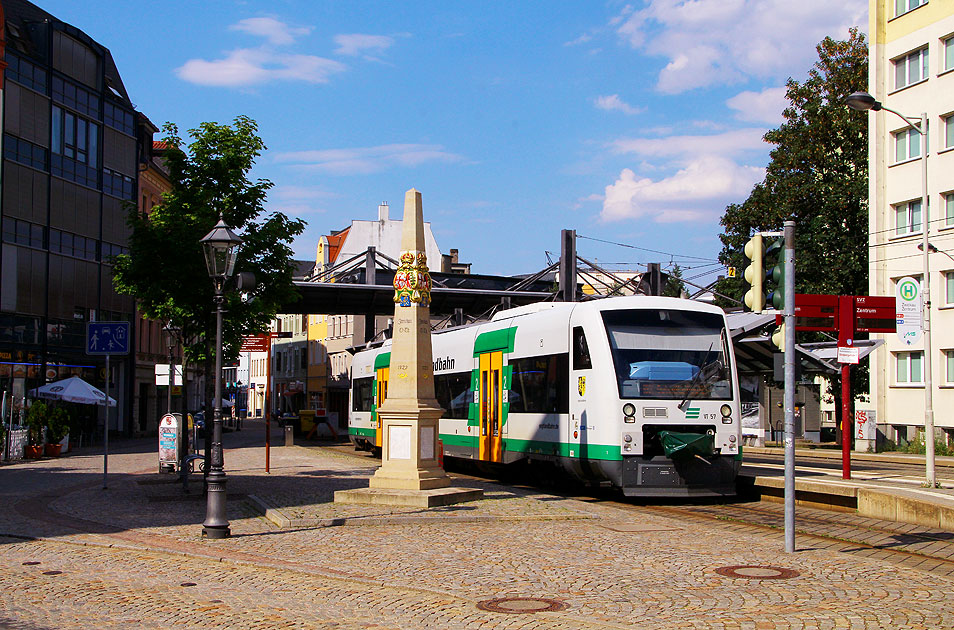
point(22, 233)
point(539, 385)
point(911, 69)
point(581, 352)
point(118, 185)
point(909, 367)
point(453, 394)
point(25, 73)
point(118, 118)
point(75, 97)
point(24, 152)
point(907, 145)
point(949, 53)
point(362, 394)
point(949, 372)
point(949, 132)
point(949, 209)
point(903, 6)
point(74, 147)
point(949, 288)
point(72, 245)
point(907, 218)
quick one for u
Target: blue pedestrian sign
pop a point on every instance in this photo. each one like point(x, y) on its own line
point(107, 338)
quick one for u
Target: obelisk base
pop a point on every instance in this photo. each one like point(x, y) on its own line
point(408, 498)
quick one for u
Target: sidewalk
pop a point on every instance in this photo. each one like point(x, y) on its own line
point(132, 556)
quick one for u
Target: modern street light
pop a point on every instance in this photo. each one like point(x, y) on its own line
point(862, 101)
point(221, 248)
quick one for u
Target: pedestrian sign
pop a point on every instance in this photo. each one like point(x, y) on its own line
point(107, 338)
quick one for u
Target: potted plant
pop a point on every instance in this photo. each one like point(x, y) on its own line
point(57, 427)
point(36, 418)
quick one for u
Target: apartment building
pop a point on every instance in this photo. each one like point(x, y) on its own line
point(912, 72)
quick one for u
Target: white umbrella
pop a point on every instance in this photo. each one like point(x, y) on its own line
point(72, 389)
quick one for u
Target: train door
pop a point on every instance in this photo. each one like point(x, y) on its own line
point(580, 423)
point(490, 445)
point(381, 379)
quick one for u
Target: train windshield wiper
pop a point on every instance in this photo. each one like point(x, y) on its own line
point(696, 377)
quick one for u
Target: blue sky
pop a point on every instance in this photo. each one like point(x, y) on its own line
point(633, 123)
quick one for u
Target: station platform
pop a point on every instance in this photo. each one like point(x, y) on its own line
point(881, 494)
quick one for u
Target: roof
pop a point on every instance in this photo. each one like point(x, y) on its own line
point(335, 241)
point(28, 31)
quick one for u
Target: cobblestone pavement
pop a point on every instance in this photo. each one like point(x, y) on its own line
point(78, 556)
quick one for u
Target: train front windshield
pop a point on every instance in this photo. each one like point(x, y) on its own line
point(669, 354)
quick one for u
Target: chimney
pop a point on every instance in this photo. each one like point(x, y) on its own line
point(383, 211)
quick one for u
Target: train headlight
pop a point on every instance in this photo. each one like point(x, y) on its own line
point(726, 410)
point(732, 439)
point(627, 438)
point(629, 409)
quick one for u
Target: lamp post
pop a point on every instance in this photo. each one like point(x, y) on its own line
point(221, 248)
point(862, 101)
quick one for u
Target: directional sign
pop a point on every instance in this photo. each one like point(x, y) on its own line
point(107, 338)
point(908, 303)
point(256, 343)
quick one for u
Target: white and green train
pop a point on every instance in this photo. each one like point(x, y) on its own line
point(638, 391)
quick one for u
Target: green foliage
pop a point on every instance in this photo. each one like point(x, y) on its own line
point(817, 176)
point(58, 425)
point(37, 417)
point(917, 447)
point(674, 284)
point(165, 268)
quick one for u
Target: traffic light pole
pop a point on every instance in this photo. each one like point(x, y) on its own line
point(789, 313)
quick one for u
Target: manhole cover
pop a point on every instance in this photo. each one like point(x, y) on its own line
point(521, 605)
point(756, 572)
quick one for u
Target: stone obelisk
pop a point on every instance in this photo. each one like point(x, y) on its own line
point(410, 473)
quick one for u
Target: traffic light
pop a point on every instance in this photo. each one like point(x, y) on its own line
point(755, 274)
point(778, 337)
point(774, 259)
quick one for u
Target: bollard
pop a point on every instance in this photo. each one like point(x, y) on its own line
point(289, 435)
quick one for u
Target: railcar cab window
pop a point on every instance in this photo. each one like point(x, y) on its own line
point(581, 352)
point(669, 355)
point(362, 396)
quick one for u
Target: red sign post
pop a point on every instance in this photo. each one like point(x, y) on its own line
point(846, 315)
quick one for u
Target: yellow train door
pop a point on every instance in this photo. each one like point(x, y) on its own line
point(382, 394)
point(491, 407)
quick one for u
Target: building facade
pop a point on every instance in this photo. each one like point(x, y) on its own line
point(912, 72)
point(70, 163)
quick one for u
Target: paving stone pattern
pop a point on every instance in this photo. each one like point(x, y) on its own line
point(124, 554)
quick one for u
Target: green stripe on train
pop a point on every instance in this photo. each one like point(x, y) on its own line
point(560, 449)
point(383, 360)
point(361, 432)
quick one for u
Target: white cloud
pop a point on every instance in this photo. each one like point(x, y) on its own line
point(364, 160)
point(274, 31)
point(711, 42)
point(246, 67)
point(357, 43)
point(727, 143)
point(691, 194)
point(762, 107)
point(615, 102)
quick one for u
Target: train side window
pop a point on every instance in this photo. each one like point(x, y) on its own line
point(581, 352)
point(362, 397)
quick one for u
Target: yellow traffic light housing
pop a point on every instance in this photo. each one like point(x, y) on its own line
point(778, 337)
point(755, 274)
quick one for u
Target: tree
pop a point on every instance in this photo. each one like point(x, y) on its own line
point(817, 176)
point(674, 284)
point(165, 267)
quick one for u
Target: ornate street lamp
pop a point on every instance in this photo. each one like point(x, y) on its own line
point(221, 249)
